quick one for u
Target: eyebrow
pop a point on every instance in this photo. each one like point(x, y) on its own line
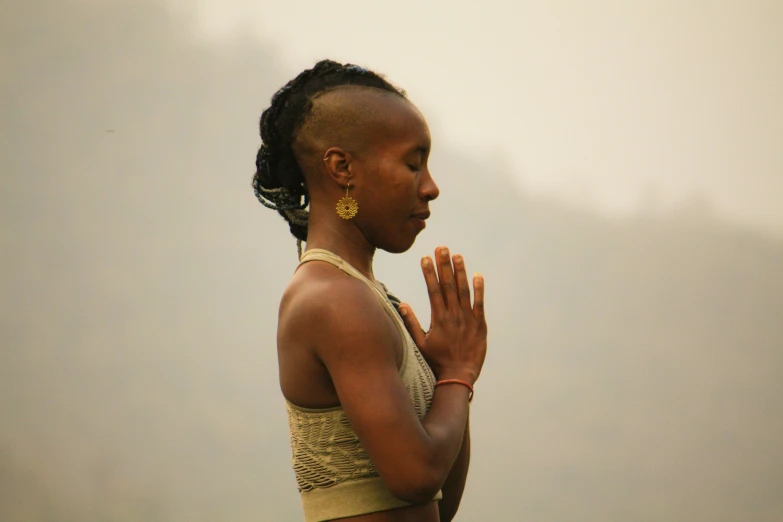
point(421, 149)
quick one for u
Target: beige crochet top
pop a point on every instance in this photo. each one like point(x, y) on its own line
point(335, 476)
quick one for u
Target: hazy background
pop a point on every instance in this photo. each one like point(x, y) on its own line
point(616, 173)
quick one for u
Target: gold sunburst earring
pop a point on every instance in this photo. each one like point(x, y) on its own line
point(347, 207)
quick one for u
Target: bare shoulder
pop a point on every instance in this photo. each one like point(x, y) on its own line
point(321, 298)
point(328, 322)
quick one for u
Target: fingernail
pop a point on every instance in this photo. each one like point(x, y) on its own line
point(457, 259)
point(444, 253)
point(403, 311)
point(425, 261)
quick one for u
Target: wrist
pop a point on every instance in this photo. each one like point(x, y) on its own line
point(459, 382)
point(462, 375)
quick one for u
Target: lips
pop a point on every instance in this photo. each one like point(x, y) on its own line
point(419, 219)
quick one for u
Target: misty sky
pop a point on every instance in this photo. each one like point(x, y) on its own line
point(609, 103)
point(635, 369)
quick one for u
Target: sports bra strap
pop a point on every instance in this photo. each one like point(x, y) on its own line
point(319, 254)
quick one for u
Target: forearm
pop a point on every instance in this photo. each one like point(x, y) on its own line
point(446, 424)
point(455, 482)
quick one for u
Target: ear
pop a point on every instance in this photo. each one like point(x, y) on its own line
point(337, 162)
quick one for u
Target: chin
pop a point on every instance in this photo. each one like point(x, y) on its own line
point(399, 245)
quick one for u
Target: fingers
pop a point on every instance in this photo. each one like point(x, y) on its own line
point(448, 282)
point(437, 304)
point(478, 299)
point(463, 287)
point(449, 289)
point(412, 324)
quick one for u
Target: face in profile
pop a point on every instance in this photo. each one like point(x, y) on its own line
point(393, 182)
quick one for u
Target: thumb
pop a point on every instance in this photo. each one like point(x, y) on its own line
point(412, 324)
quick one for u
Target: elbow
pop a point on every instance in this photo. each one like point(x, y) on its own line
point(418, 496)
point(417, 488)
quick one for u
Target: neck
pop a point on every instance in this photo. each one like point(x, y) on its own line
point(342, 238)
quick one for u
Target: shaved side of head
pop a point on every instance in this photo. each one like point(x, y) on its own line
point(293, 141)
point(354, 118)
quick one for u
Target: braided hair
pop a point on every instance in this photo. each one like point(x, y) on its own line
point(279, 182)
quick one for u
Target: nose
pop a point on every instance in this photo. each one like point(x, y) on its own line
point(428, 189)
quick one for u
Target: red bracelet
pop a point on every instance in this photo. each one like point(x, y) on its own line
point(457, 381)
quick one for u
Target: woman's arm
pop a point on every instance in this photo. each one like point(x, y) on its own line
point(355, 341)
point(413, 457)
point(455, 482)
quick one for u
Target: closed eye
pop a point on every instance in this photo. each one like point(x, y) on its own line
point(414, 168)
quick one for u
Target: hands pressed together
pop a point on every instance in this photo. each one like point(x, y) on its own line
point(456, 344)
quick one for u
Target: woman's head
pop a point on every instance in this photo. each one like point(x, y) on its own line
point(336, 126)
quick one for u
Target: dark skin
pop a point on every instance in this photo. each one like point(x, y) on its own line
point(337, 346)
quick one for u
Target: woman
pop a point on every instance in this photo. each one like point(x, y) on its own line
point(375, 435)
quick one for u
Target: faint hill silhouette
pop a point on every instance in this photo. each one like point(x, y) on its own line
point(635, 373)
